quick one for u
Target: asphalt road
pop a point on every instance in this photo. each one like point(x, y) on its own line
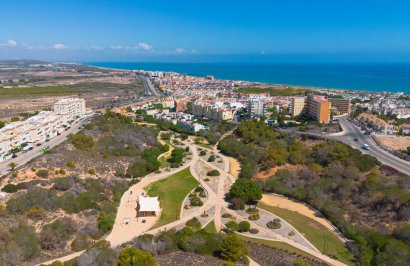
point(351, 131)
point(23, 158)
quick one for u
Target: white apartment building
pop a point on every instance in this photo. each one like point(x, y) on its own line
point(40, 127)
point(71, 107)
point(256, 107)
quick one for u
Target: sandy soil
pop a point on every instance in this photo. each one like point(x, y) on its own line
point(289, 204)
point(272, 171)
point(395, 142)
point(234, 166)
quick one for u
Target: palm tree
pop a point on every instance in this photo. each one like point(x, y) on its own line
point(12, 166)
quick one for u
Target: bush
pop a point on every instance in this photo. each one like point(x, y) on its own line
point(61, 171)
point(35, 213)
point(253, 231)
point(132, 256)
point(202, 153)
point(226, 215)
point(42, 173)
point(213, 173)
point(71, 164)
point(26, 240)
point(196, 201)
point(194, 223)
point(211, 158)
point(199, 189)
point(63, 183)
point(232, 225)
point(80, 242)
point(274, 224)
point(254, 216)
point(233, 248)
point(9, 188)
point(244, 226)
point(91, 171)
point(106, 222)
point(14, 174)
point(82, 141)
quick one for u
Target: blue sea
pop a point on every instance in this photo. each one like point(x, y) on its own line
point(365, 77)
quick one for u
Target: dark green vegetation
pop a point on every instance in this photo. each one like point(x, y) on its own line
point(274, 91)
point(364, 200)
point(98, 198)
point(326, 241)
point(81, 141)
point(244, 191)
point(131, 256)
point(172, 191)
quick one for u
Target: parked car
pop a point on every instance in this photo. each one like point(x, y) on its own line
point(38, 144)
point(47, 140)
point(14, 155)
point(356, 139)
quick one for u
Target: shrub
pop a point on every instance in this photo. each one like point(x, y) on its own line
point(232, 225)
point(26, 240)
point(194, 223)
point(226, 215)
point(71, 164)
point(61, 171)
point(9, 188)
point(81, 141)
point(196, 201)
point(63, 183)
point(253, 231)
point(42, 173)
point(274, 224)
point(106, 222)
point(254, 216)
point(199, 189)
point(202, 153)
point(211, 158)
point(14, 174)
point(252, 210)
point(233, 248)
point(244, 226)
point(35, 213)
point(213, 173)
point(245, 189)
point(132, 256)
point(80, 242)
point(91, 171)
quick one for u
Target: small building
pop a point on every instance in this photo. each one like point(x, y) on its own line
point(147, 206)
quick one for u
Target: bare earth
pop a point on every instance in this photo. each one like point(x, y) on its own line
point(234, 166)
point(396, 143)
point(273, 170)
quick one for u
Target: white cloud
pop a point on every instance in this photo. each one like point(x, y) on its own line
point(96, 47)
point(116, 47)
point(9, 43)
point(59, 46)
point(144, 46)
point(194, 52)
point(180, 50)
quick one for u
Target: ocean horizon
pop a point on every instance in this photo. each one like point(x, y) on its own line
point(387, 77)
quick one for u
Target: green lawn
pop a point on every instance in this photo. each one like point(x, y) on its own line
point(321, 237)
point(278, 245)
point(172, 191)
point(210, 228)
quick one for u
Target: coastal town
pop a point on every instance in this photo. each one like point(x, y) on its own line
point(197, 152)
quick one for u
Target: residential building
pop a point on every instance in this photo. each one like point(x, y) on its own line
point(376, 124)
point(256, 107)
point(297, 106)
point(318, 108)
point(342, 106)
point(71, 107)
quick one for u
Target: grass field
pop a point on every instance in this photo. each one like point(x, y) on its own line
point(171, 192)
point(210, 228)
point(321, 237)
point(51, 90)
point(278, 245)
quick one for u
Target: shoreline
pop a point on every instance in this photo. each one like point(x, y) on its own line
point(257, 83)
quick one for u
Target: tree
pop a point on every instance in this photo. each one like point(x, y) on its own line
point(244, 226)
point(233, 248)
point(134, 257)
point(12, 166)
point(246, 190)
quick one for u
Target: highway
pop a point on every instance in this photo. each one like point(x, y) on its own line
point(23, 158)
point(149, 88)
point(351, 131)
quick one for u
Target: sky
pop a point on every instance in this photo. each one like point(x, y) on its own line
point(205, 31)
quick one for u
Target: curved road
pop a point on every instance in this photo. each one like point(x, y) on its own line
point(351, 131)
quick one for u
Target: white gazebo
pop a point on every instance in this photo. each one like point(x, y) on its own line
point(147, 206)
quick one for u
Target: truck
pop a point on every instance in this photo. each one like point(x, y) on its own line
point(365, 147)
